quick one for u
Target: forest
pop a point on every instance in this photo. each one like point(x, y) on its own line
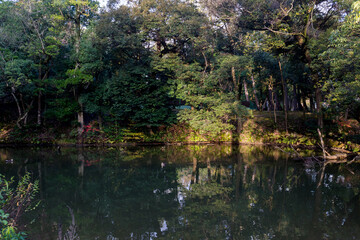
point(148, 69)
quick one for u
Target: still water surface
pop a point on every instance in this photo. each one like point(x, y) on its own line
point(186, 192)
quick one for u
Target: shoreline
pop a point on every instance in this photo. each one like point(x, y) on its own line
point(134, 144)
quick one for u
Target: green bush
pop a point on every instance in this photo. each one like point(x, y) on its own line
point(13, 203)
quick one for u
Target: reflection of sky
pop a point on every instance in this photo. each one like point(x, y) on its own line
point(163, 225)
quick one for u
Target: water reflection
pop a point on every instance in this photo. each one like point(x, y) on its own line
point(187, 192)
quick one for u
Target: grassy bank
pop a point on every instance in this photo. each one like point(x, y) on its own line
point(259, 129)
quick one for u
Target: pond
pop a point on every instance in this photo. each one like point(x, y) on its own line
point(186, 192)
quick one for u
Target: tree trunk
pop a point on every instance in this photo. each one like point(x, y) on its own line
point(16, 101)
point(254, 90)
point(208, 169)
point(298, 99)
point(100, 122)
point(236, 84)
point(318, 108)
point(271, 101)
point(277, 102)
point(246, 91)
point(239, 125)
point(285, 98)
point(77, 35)
point(193, 173)
point(238, 88)
point(294, 103)
point(305, 108)
point(39, 109)
point(346, 114)
point(80, 116)
point(238, 176)
point(312, 105)
point(273, 104)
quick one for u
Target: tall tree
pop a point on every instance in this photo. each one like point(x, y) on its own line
point(74, 16)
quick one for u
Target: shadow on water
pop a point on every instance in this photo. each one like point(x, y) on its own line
point(186, 192)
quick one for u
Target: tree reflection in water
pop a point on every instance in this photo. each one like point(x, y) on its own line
point(188, 192)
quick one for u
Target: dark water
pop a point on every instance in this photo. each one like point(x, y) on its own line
point(187, 192)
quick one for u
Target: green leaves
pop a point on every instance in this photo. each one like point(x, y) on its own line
point(15, 201)
point(18, 71)
point(342, 56)
point(138, 98)
point(77, 77)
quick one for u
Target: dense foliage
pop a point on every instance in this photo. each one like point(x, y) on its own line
point(153, 63)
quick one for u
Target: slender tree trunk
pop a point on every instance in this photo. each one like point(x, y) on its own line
point(346, 114)
point(208, 169)
point(277, 101)
point(253, 174)
point(236, 84)
point(298, 99)
point(285, 98)
point(271, 103)
point(318, 108)
point(16, 101)
point(193, 173)
point(312, 107)
point(77, 36)
point(305, 108)
point(254, 90)
point(39, 109)
point(274, 106)
point(246, 91)
point(237, 87)
point(23, 114)
point(294, 104)
point(238, 176)
point(100, 122)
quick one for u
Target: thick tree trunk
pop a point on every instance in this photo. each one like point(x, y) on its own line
point(80, 116)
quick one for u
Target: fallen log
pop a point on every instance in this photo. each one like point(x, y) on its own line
point(341, 150)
